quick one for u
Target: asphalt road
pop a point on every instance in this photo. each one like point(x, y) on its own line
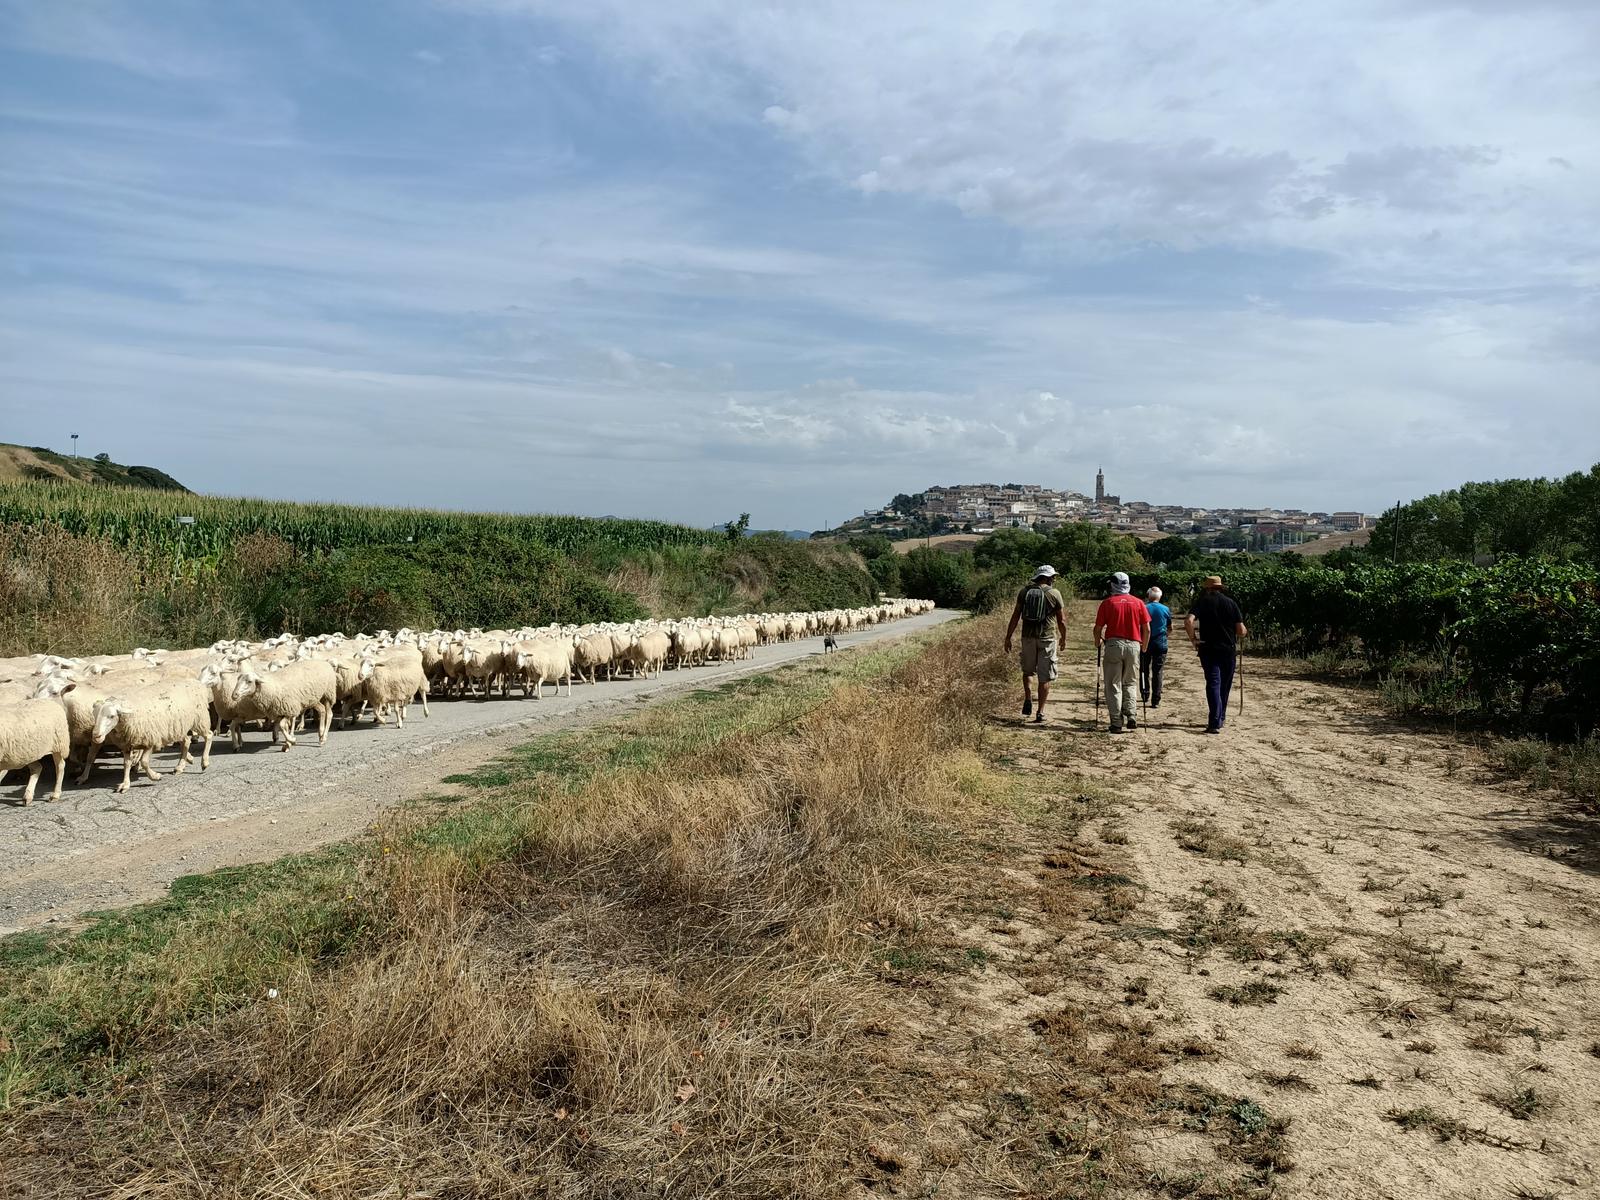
point(93, 849)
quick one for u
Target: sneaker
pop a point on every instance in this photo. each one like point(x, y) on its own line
point(1155, 704)
point(1132, 724)
point(1115, 729)
point(1039, 720)
point(1027, 706)
point(1212, 729)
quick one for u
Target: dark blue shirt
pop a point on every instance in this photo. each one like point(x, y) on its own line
point(1160, 622)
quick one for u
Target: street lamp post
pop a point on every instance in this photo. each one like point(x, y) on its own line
point(74, 445)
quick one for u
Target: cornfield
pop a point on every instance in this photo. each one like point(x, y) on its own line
point(199, 529)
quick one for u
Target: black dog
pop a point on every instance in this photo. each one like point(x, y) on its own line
point(829, 644)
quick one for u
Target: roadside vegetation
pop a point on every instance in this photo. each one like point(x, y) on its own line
point(638, 960)
point(104, 570)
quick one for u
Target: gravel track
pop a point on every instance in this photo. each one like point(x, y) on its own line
point(93, 849)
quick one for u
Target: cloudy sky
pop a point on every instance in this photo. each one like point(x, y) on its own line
point(692, 258)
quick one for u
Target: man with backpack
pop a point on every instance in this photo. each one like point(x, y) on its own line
point(1040, 611)
point(1215, 624)
point(1122, 632)
point(1153, 661)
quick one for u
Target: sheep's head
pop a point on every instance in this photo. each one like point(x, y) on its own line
point(248, 684)
point(105, 718)
point(210, 676)
point(364, 671)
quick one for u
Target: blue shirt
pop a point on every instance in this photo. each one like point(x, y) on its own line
point(1160, 622)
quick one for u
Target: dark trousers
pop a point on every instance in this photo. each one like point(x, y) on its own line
point(1218, 667)
point(1151, 664)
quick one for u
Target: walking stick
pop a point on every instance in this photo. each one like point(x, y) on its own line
point(1097, 650)
point(1238, 670)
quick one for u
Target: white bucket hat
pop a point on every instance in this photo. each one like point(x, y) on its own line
point(1045, 572)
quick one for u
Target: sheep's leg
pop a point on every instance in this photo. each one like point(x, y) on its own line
point(88, 765)
point(324, 721)
point(183, 756)
point(205, 750)
point(236, 734)
point(127, 767)
point(399, 715)
point(422, 695)
point(60, 761)
point(282, 726)
point(34, 771)
point(144, 765)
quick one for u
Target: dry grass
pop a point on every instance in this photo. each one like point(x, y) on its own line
point(662, 990)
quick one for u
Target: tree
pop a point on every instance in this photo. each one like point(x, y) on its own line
point(1082, 546)
point(102, 457)
point(905, 505)
point(929, 574)
point(1171, 550)
point(736, 529)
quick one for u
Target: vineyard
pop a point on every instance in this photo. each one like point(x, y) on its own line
point(205, 527)
point(1517, 642)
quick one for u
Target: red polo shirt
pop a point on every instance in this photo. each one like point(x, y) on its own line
point(1124, 617)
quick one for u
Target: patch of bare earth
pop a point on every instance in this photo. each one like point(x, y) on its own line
point(1319, 956)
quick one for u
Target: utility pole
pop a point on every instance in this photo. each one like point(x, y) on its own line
point(1397, 531)
point(74, 445)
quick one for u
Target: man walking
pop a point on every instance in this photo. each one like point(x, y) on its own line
point(1215, 626)
point(1122, 631)
point(1040, 610)
point(1153, 662)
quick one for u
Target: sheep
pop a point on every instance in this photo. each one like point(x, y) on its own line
point(140, 721)
point(393, 682)
point(31, 731)
point(541, 659)
point(280, 696)
point(592, 651)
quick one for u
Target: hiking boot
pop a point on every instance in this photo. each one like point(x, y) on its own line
point(1212, 729)
point(1027, 706)
point(1039, 720)
point(1115, 729)
point(1132, 724)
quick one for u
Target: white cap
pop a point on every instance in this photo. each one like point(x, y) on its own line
point(1045, 572)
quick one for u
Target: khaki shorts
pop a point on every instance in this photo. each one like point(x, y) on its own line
point(1039, 658)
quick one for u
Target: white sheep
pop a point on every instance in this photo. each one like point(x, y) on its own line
point(393, 681)
point(31, 731)
point(280, 696)
point(142, 720)
point(539, 660)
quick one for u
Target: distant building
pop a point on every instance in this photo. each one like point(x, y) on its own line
point(1099, 486)
point(1345, 521)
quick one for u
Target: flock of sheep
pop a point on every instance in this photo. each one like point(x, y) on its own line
point(59, 708)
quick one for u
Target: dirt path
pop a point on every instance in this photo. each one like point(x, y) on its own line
point(93, 849)
point(1319, 956)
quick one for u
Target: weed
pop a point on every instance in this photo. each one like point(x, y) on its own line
point(1257, 991)
point(1522, 1104)
point(1205, 838)
point(1487, 1041)
point(1421, 1046)
point(1303, 1051)
point(1292, 1080)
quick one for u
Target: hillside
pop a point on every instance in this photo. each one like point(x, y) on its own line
point(19, 463)
point(1356, 538)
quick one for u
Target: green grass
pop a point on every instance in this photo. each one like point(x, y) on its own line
point(81, 1011)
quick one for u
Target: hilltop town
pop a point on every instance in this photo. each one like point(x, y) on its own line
point(981, 508)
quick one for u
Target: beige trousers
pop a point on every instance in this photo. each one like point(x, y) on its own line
point(1119, 662)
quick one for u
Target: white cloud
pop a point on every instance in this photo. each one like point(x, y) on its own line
point(1362, 129)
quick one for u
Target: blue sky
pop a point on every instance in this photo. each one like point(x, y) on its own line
point(694, 259)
